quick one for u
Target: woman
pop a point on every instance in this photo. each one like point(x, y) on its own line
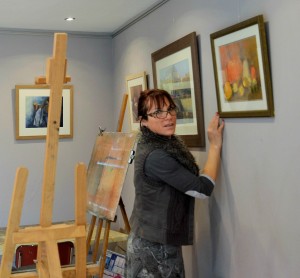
point(166, 182)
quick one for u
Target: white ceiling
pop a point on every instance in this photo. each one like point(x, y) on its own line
point(100, 16)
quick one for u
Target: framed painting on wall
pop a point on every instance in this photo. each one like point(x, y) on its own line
point(135, 83)
point(241, 69)
point(32, 102)
point(176, 70)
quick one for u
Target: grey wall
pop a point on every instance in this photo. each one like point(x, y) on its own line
point(249, 227)
point(22, 58)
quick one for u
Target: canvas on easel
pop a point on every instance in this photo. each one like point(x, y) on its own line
point(107, 171)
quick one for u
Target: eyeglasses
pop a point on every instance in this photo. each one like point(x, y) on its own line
point(160, 114)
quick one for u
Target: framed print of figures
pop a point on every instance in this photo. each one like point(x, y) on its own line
point(32, 103)
point(135, 83)
point(241, 69)
point(176, 70)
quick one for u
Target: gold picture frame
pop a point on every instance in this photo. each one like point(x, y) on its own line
point(31, 112)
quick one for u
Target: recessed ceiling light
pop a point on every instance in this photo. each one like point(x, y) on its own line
point(70, 18)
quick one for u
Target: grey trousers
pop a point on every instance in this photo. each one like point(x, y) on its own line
point(146, 259)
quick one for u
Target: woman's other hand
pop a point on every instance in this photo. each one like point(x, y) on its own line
point(215, 131)
point(215, 137)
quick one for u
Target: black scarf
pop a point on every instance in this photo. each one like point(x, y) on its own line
point(173, 146)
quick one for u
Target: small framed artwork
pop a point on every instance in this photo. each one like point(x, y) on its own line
point(176, 70)
point(32, 103)
point(242, 71)
point(135, 83)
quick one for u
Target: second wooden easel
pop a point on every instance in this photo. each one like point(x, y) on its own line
point(102, 221)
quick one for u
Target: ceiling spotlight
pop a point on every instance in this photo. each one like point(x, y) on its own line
point(70, 18)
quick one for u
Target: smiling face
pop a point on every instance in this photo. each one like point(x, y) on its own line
point(166, 126)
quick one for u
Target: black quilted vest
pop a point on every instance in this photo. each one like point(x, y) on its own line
point(161, 213)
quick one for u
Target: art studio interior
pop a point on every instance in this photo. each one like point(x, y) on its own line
point(248, 226)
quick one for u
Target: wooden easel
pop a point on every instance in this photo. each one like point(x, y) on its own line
point(106, 222)
point(47, 235)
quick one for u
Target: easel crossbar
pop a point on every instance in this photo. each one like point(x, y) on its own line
point(67, 272)
point(55, 232)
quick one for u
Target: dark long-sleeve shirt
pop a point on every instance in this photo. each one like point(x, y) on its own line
point(161, 166)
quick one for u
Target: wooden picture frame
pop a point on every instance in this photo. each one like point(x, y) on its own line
point(135, 83)
point(176, 70)
point(242, 71)
point(31, 112)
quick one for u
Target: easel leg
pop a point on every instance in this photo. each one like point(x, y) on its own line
point(119, 129)
point(90, 233)
point(104, 248)
point(53, 259)
point(42, 261)
point(97, 239)
point(125, 218)
point(14, 221)
point(80, 219)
